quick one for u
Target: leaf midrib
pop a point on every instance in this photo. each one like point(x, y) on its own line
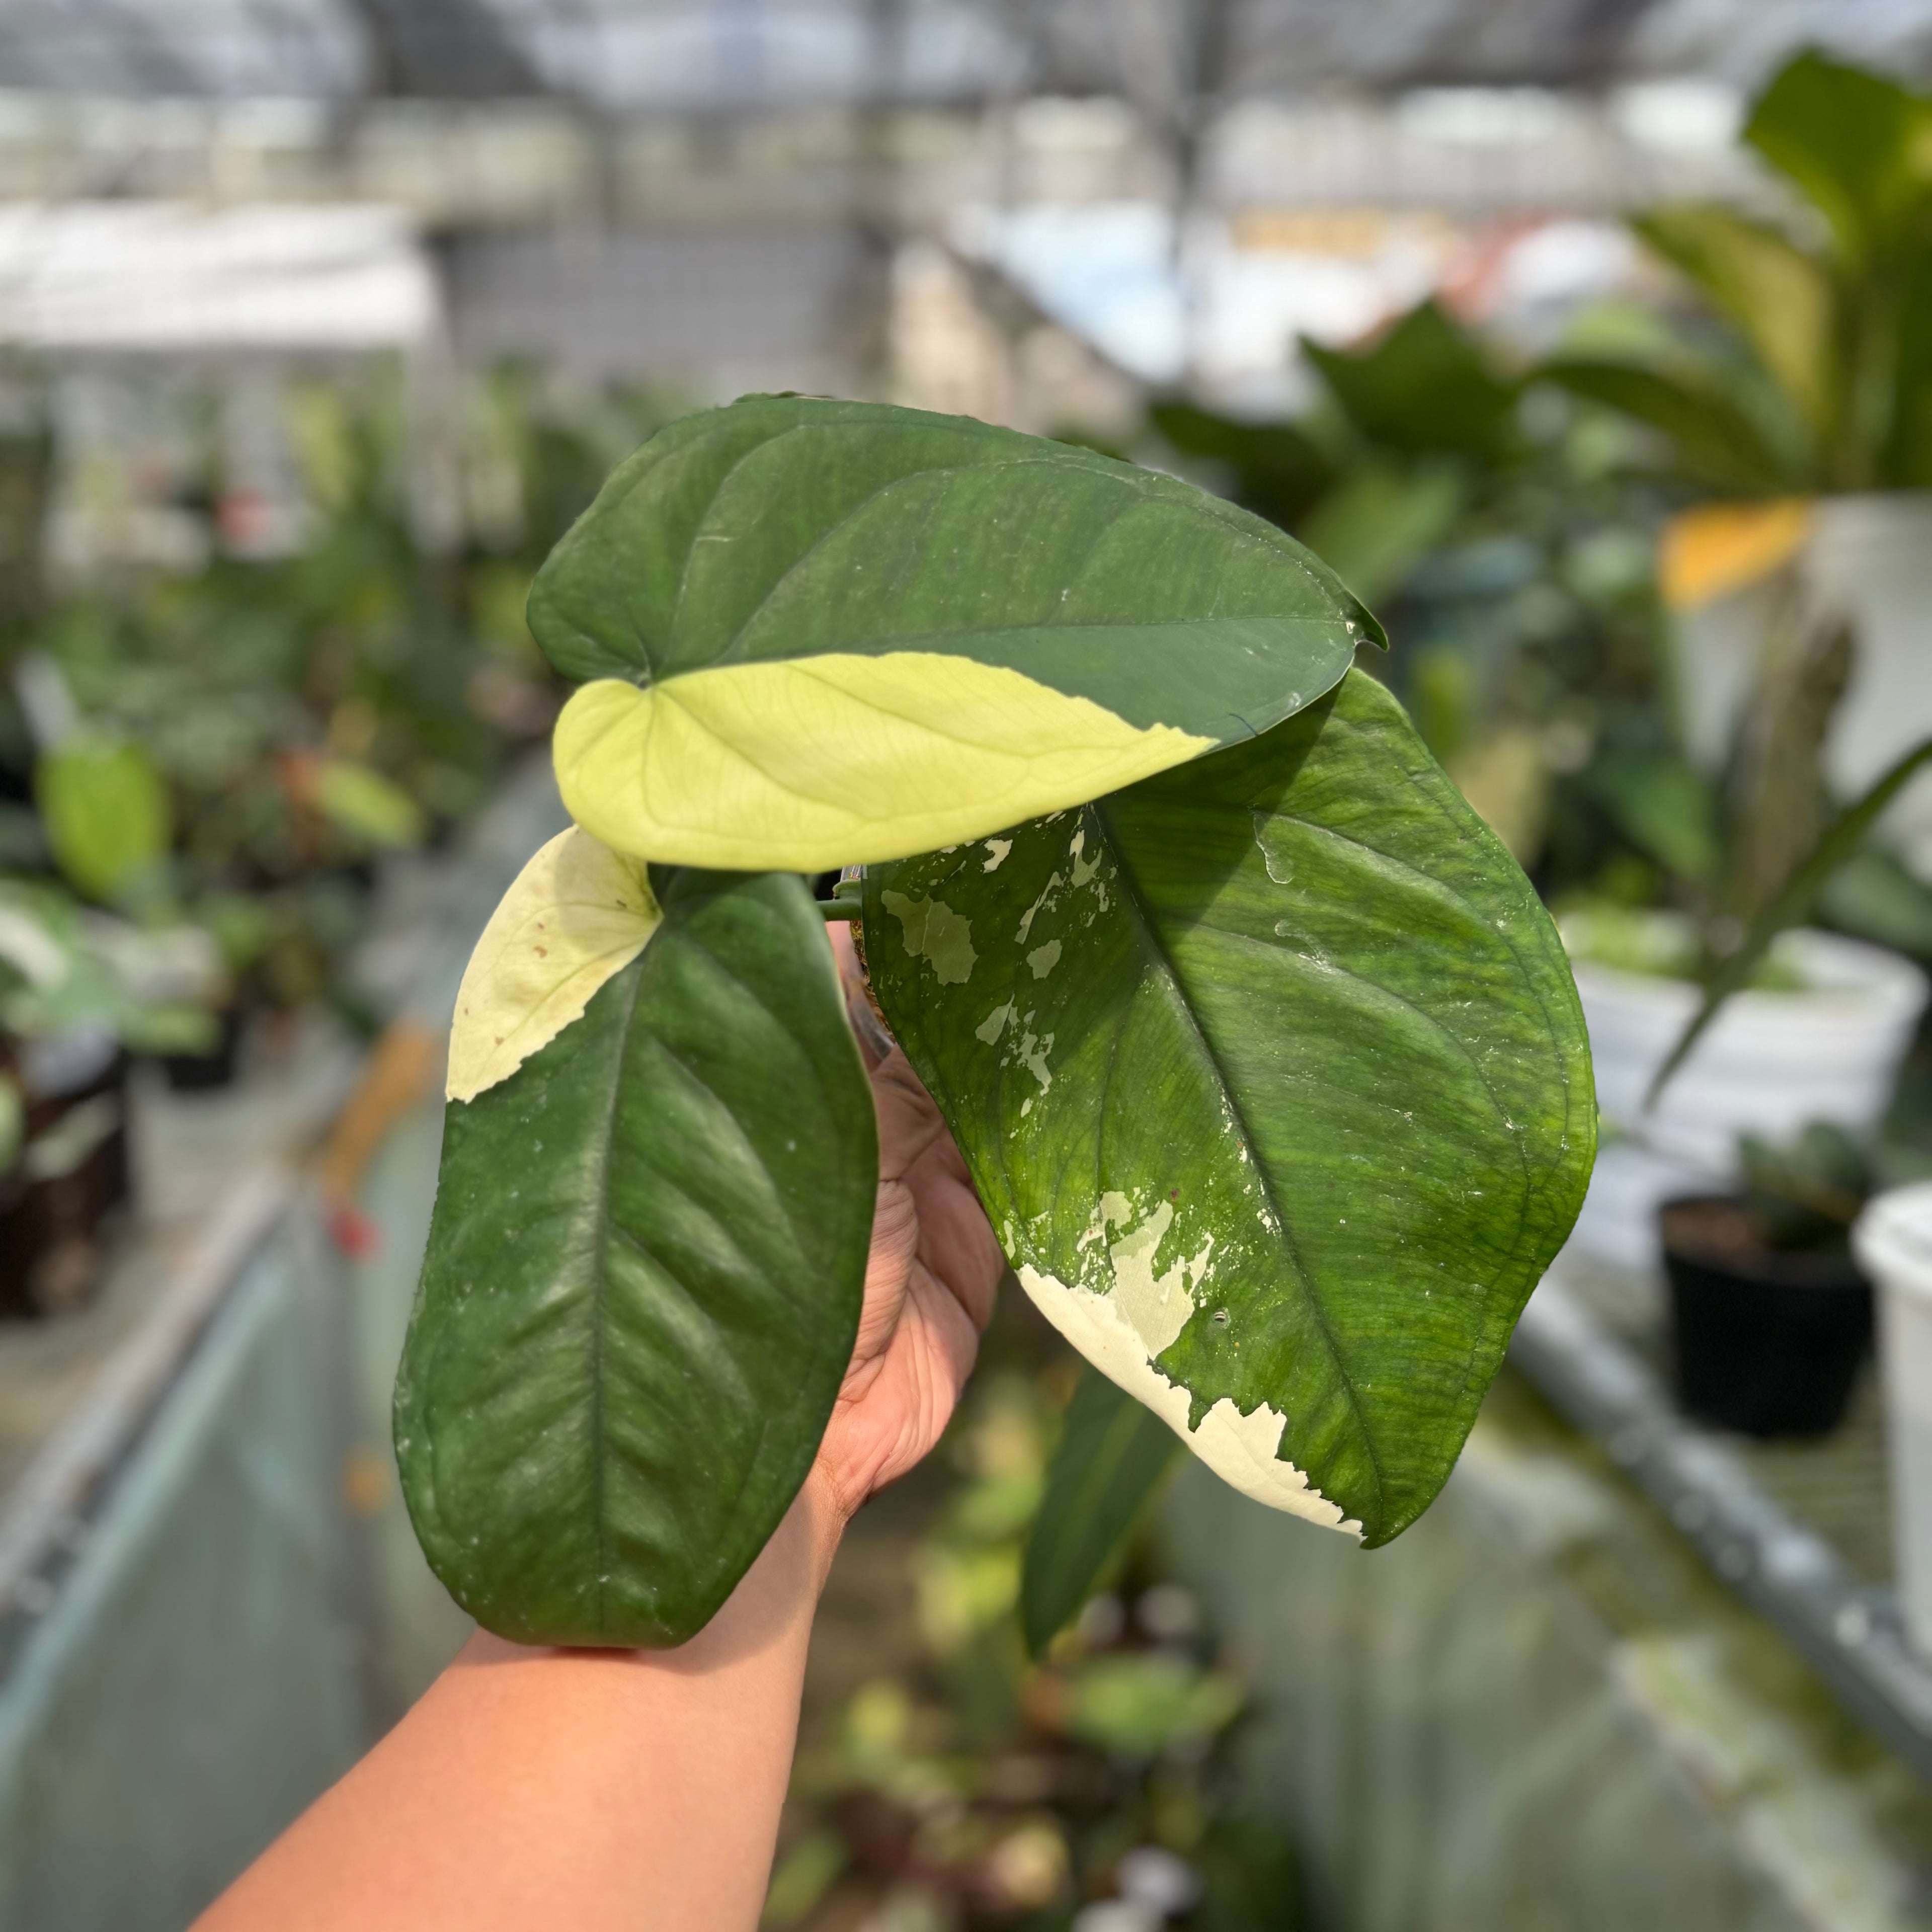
point(600, 1295)
point(1151, 937)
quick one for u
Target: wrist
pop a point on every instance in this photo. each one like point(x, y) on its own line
point(786, 1580)
point(822, 1505)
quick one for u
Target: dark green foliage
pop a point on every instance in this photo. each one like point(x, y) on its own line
point(643, 1281)
point(1280, 471)
point(1111, 1455)
point(1807, 1193)
point(1294, 1007)
point(1424, 386)
point(784, 527)
point(1270, 1064)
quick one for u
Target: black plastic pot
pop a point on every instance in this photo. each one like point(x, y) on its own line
point(1768, 1341)
point(72, 1175)
point(205, 1073)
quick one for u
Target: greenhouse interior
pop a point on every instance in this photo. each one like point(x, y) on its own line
point(758, 758)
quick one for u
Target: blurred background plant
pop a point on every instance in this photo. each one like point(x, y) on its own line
point(1531, 528)
point(316, 332)
point(1802, 369)
point(233, 748)
point(202, 763)
point(1091, 1789)
point(1507, 546)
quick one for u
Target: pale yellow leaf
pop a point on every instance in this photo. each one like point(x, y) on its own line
point(578, 915)
point(802, 764)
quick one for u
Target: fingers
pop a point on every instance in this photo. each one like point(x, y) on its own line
point(954, 1339)
point(888, 1267)
point(954, 1240)
point(874, 1043)
point(909, 1123)
point(915, 1147)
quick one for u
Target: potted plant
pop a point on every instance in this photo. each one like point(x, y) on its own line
point(1814, 1030)
point(1803, 396)
point(1262, 1054)
point(67, 1016)
point(1770, 1315)
point(1498, 539)
point(1893, 1240)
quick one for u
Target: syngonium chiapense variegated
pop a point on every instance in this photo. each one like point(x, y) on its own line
point(1264, 1056)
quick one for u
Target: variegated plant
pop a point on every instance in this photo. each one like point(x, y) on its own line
point(1263, 1057)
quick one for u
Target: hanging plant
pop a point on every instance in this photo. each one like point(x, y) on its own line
point(1263, 1055)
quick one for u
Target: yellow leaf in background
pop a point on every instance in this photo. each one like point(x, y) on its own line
point(576, 915)
point(1716, 548)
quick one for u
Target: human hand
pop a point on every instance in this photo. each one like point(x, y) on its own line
point(930, 1281)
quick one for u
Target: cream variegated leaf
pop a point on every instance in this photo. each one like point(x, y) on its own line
point(577, 914)
point(646, 1263)
point(1271, 1075)
point(810, 762)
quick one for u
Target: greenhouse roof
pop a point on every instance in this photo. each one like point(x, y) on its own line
point(724, 54)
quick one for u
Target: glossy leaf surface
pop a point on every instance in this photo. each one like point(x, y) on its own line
point(1110, 1459)
point(643, 1279)
point(1273, 1078)
point(823, 632)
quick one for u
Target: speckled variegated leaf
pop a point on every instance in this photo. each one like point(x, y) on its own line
point(643, 1278)
point(820, 633)
point(1272, 1077)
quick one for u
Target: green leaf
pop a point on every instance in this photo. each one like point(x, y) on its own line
point(1279, 471)
point(1858, 145)
point(13, 1122)
point(1718, 442)
point(1377, 527)
point(1905, 461)
point(1425, 387)
point(1111, 1455)
point(1666, 810)
point(1141, 1703)
point(1792, 900)
point(1272, 1076)
point(1774, 294)
point(823, 633)
point(1875, 895)
point(106, 807)
point(358, 799)
point(643, 1281)
point(805, 1871)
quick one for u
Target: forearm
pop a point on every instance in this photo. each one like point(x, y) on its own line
point(573, 1788)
